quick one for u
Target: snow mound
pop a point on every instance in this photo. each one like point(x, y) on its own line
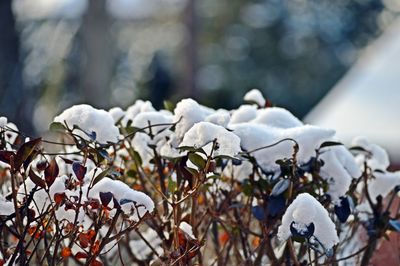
point(245, 113)
point(189, 112)
point(90, 120)
point(204, 133)
point(254, 136)
point(133, 203)
point(339, 169)
point(276, 117)
point(256, 96)
point(303, 211)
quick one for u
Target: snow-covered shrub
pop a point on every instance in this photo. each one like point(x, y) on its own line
point(191, 185)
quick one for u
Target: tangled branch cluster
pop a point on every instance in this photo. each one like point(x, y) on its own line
point(189, 185)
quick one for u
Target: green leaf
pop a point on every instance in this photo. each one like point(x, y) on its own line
point(57, 127)
point(168, 105)
point(137, 157)
point(100, 176)
point(197, 160)
point(171, 185)
point(330, 143)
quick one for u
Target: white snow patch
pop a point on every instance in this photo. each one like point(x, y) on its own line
point(187, 228)
point(245, 113)
point(122, 192)
point(254, 136)
point(204, 133)
point(90, 120)
point(303, 211)
point(339, 168)
point(189, 112)
point(256, 96)
point(276, 117)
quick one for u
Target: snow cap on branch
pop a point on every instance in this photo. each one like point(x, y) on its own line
point(90, 120)
point(204, 133)
point(304, 211)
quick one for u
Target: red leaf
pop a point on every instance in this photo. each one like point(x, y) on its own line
point(36, 179)
point(51, 172)
point(59, 197)
point(66, 252)
point(25, 151)
point(5, 156)
point(96, 263)
point(81, 255)
point(84, 240)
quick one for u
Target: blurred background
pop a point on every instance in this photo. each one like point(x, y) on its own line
point(56, 53)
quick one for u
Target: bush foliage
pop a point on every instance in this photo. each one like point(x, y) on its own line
point(190, 185)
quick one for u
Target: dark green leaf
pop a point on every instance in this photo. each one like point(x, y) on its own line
point(330, 143)
point(197, 160)
point(100, 176)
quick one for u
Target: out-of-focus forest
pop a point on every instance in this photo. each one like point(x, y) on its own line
point(56, 53)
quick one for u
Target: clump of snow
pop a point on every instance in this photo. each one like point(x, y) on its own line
point(145, 119)
point(378, 157)
point(339, 168)
point(383, 184)
point(6, 207)
point(90, 120)
point(303, 211)
point(133, 203)
point(254, 136)
point(138, 107)
point(187, 228)
point(256, 96)
point(204, 133)
point(3, 121)
point(189, 112)
point(245, 113)
point(276, 117)
point(220, 117)
point(117, 113)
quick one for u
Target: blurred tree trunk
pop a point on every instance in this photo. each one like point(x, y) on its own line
point(97, 55)
point(12, 94)
point(189, 85)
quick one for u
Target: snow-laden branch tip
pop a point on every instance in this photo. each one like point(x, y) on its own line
point(304, 211)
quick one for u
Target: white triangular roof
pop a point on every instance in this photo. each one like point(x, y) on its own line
point(366, 101)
